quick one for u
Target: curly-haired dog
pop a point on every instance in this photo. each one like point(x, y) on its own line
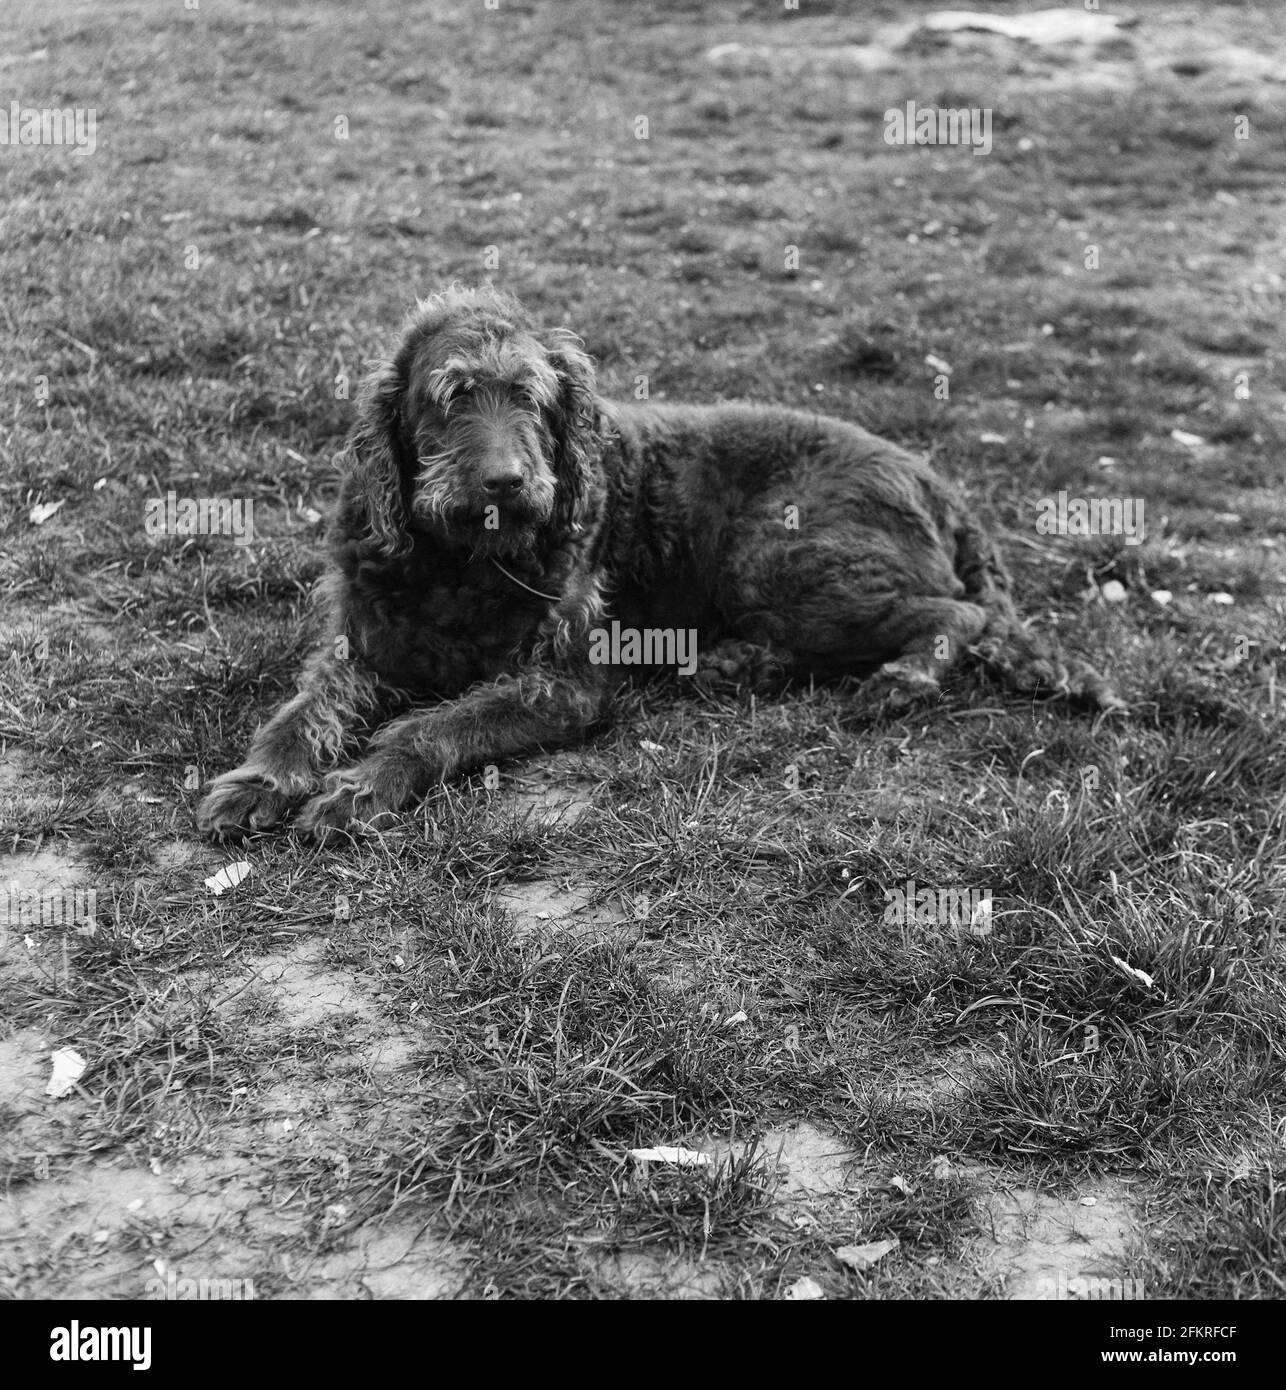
point(498, 518)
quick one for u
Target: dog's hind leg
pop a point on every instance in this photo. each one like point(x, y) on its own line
point(929, 635)
point(752, 665)
point(1028, 661)
point(832, 607)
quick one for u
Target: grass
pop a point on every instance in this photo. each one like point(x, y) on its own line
point(732, 974)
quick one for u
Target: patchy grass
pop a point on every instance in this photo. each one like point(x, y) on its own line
point(389, 1070)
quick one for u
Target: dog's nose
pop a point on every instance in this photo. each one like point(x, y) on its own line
point(502, 480)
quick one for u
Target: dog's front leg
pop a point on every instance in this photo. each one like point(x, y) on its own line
point(289, 754)
point(491, 722)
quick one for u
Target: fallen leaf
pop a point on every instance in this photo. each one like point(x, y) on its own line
point(68, 1067)
point(688, 1157)
point(1053, 26)
point(1139, 976)
point(228, 876)
point(1190, 441)
point(980, 919)
point(864, 1256)
point(42, 511)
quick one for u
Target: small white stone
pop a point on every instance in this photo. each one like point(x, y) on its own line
point(1190, 441)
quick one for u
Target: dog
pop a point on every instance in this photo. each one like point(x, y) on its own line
point(497, 518)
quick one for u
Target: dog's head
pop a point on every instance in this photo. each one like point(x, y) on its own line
point(482, 431)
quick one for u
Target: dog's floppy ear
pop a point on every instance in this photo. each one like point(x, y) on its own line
point(371, 500)
point(577, 431)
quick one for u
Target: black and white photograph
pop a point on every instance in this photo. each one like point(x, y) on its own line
point(642, 658)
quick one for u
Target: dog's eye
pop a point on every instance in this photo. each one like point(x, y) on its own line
point(457, 395)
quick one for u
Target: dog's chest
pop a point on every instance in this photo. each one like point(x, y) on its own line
point(438, 631)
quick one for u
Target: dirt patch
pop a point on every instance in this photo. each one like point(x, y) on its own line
point(543, 906)
point(395, 1260)
point(1037, 1244)
point(810, 1162)
point(96, 1233)
point(303, 987)
point(15, 765)
point(945, 1079)
point(44, 899)
point(1072, 48)
point(557, 790)
point(308, 993)
point(24, 1066)
point(178, 854)
point(127, 1232)
point(221, 1213)
point(646, 1275)
point(50, 869)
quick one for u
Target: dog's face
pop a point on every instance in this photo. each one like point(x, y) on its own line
point(479, 416)
point(479, 432)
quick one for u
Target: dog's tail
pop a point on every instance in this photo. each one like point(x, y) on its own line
point(1027, 661)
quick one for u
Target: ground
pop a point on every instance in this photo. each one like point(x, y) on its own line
point(418, 1066)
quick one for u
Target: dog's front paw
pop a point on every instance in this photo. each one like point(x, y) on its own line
point(1087, 687)
point(348, 805)
point(898, 685)
point(239, 802)
point(736, 663)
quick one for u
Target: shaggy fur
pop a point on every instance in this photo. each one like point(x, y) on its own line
point(497, 515)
